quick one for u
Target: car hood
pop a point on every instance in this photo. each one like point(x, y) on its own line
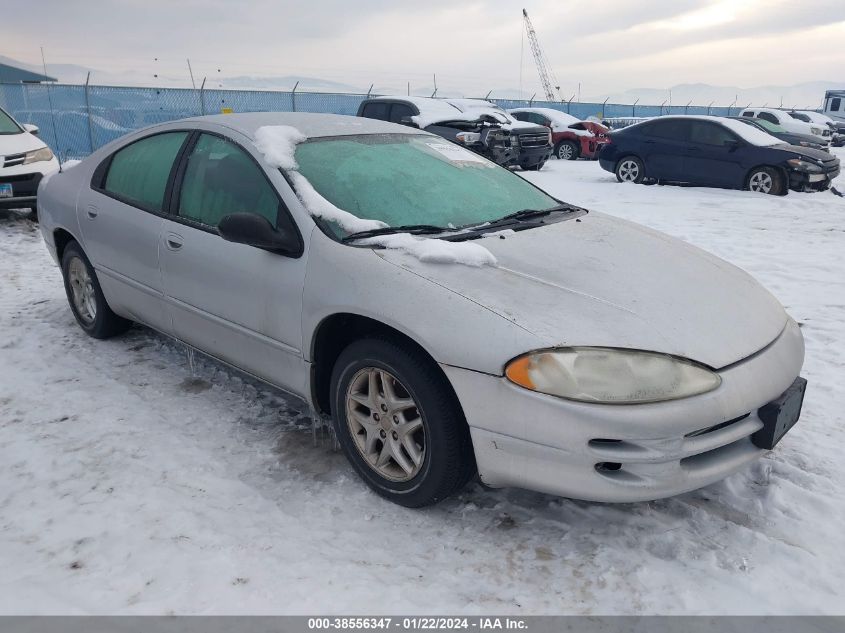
point(603, 281)
point(19, 143)
point(816, 154)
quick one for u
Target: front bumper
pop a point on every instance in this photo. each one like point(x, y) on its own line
point(623, 453)
point(24, 180)
point(805, 181)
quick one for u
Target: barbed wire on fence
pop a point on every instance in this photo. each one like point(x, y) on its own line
point(85, 117)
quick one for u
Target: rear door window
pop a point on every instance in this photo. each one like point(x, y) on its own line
point(835, 104)
point(672, 129)
point(138, 173)
point(376, 110)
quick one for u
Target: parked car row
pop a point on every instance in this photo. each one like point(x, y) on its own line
point(467, 345)
point(715, 151)
point(478, 125)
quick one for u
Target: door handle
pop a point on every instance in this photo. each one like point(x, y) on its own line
point(91, 212)
point(174, 241)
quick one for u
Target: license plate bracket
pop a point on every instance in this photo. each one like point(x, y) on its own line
point(780, 415)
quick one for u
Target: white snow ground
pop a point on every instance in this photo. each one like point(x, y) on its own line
point(133, 483)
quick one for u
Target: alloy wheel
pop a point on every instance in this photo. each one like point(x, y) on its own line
point(385, 424)
point(761, 182)
point(629, 170)
point(82, 291)
point(565, 151)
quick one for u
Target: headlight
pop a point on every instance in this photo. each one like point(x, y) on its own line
point(610, 376)
point(804, 165)
point(467, 138)
point(816, 130)
point(38, 155)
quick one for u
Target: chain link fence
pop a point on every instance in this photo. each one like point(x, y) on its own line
point(75, 120)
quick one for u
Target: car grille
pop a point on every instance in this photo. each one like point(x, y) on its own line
point(533, 140)
point(13, 160)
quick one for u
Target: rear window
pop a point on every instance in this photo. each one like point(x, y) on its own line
point(376, 111)
point(835, 103)
point(674, 129)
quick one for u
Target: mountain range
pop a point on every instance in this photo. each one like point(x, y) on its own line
point(802, 95)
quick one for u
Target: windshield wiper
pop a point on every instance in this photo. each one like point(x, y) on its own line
point(532, 213)
point(415, 229)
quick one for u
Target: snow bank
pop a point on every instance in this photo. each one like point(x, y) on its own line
point(318, 206)
point(435, 251)
point(278, 144)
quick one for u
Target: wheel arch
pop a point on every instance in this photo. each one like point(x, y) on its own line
point(61, 238)
point(778, 168)
point(334, 333)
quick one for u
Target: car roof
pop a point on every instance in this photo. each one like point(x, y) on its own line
point(312, 125)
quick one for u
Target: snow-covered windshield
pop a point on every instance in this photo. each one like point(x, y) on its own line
point(400, 179)
point(750, 134)
point(7, 124)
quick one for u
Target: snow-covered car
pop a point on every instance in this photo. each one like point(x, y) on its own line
point(790, 138)
point(534, 141)
point(782, 118)
point(446, 314)
point(572, 138)
point(24, 161)
point(483, 135)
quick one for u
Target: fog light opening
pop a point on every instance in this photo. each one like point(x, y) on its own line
point(608, 466)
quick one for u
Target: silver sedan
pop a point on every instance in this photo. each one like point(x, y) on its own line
point(448, 317)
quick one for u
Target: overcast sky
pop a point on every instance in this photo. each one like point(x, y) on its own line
point(607, 45)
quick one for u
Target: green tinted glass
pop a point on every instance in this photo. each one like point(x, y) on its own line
point(7, 125)
point(138, 173)
point(413, 179)
point(221, 179)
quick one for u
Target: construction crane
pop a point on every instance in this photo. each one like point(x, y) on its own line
point(546, 74)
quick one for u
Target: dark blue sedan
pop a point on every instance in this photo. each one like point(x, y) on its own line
point(715, 152)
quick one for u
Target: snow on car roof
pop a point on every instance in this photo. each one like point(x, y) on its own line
point(556, 116)
point(748, 133)
point(311, 125)
point(480, 107)
point(431, 110)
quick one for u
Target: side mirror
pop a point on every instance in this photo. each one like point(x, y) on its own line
point(255, 230)
point(32, 129)
point(406, 120)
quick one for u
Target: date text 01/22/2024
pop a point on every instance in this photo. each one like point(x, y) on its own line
point(417, 623)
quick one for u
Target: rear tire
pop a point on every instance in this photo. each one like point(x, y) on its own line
point(630, 169)
point(85, 296)
point(399, 423)
point(567, 150)
point(765, 180)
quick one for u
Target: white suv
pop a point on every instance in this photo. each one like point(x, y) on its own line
point(790, 124)
point(24, 161)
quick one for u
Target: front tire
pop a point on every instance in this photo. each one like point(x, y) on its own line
point(567, 150)
point(86, 298)
point(630, 169)
point(766, 180)
point(399, 423)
